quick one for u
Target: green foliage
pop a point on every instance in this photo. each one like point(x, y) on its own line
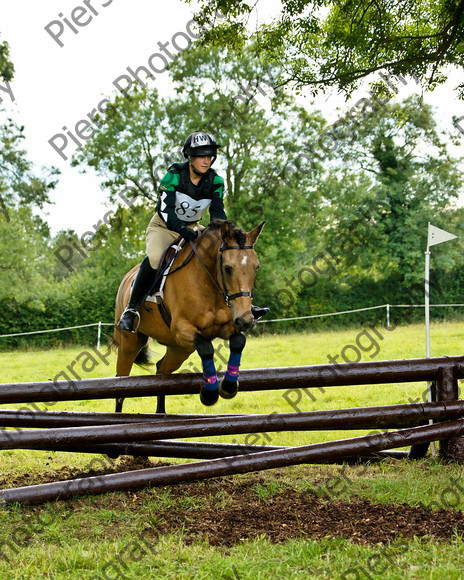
point(126, 146)
point(19, 184)
point(67, 259)
point(322, 43)
point(394, 177)
point(346, 220)
point(6, 66)
point(25, 262)
point(85, 301)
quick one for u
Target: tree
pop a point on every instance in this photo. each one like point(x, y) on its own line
point(323, 43)
point(26, 263)
point(19, 184)
point(391, 178)
point(6, 66)
point(261, 130)
point(129, 146)
point(25, 259)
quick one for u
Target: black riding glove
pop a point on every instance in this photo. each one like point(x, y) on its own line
point(189, 234)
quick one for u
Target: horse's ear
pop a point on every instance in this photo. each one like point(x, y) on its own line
point(253, 234)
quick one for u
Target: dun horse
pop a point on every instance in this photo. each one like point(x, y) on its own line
point(207, 295)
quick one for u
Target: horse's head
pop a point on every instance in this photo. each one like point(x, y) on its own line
point(237, 267)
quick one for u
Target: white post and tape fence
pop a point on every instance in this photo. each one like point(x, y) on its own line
point(387, 307)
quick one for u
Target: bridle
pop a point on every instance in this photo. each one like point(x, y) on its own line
point(227, 297)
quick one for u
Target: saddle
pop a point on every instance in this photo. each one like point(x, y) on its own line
point(156, 293)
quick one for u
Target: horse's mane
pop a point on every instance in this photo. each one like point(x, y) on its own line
point(214, 227)
point(237, 233)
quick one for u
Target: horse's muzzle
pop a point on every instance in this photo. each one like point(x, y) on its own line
point(244, 322)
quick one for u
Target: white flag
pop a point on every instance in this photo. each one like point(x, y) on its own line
point(437, 236)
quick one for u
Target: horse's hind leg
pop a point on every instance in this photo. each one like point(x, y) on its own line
point(129, 346)
point(171, 361)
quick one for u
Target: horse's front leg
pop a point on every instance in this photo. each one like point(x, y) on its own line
point(209, 391)
point(229, 384)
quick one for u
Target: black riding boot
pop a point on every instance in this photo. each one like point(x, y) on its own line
point(258, 312)
point(142, 285)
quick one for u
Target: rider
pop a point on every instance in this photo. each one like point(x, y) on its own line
point(185, 192)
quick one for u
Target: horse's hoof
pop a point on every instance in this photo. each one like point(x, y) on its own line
point(209, 397)
point(228, 389)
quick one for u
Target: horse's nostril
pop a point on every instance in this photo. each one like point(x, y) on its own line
point(243, 322)
point(239, 323)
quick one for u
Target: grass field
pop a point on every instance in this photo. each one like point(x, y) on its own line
point(118, 535)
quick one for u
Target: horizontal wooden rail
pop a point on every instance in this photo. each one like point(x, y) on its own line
point(317, 376)
point(384, 417)
point(24, 418)
point(232, 465)
point(229, 425)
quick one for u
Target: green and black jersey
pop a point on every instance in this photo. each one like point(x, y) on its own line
point(181, 202)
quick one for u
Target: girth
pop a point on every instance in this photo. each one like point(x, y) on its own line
point(165, 315)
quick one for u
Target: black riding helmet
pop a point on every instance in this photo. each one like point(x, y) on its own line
point(200, 144)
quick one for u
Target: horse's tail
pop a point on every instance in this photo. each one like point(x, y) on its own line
point(144, 359)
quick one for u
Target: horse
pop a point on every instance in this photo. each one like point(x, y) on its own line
point(207, 294)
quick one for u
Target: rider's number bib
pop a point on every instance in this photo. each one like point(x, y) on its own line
point(188, 209)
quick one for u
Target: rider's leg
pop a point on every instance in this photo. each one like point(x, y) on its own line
point(143, 281)
point(158, 238)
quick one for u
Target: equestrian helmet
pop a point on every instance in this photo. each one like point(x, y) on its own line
point(200, 144)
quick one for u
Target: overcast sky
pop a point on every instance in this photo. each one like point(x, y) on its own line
point(57, 86)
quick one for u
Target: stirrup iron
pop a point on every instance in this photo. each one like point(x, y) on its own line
point(136, 314)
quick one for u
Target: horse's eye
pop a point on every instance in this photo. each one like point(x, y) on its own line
point(228, 269)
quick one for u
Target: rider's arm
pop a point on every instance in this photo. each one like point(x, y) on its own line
point(216, 209)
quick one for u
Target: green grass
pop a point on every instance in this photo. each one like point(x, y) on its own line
point(79, 541)
point(259, 559)
point(260, 352)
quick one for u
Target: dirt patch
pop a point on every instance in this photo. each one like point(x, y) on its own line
point(295, 514)
point(234, 509)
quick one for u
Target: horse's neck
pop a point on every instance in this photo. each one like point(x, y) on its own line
point(203, 266)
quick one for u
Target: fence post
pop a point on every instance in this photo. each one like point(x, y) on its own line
point(388, 315)
point(447, 391)
point(99, 334)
